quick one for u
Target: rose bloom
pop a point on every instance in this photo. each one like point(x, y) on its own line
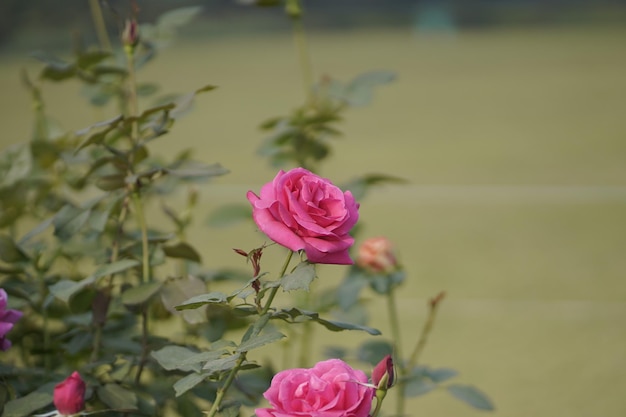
point(376, 255)
point(330, 389)
point(300, 210)
point(69, 395)
point(8, 318)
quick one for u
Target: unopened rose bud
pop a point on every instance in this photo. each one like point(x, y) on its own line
point(69, 395)
point(376, 255)
point(383, 374)
point(130, 35)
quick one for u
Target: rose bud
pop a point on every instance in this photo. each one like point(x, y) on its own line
point(383, 374)
point(376, 255)
point(69, 395)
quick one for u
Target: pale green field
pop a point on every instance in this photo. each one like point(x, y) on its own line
point(514, 145)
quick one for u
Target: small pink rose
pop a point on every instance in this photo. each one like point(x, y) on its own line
point(69, 395)
point(376, 255)
point(330, 388)
point(300, 210)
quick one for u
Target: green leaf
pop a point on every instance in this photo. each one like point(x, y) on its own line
point(361, 90)
point(111, 182)
point(10, 252)
point(177, 290)
point(373, 351)
point(176, 18)
point(471, 396)
point(350, 288)
point(69, 220)
point(19, 160)
point(188, 382)
point(147, 89)
point(295, 315)
point(114, 267)
point(102, 129)
point(139, 295)
point(441, 374)
point(229, 214)
point(221, 365)
point(28, 404)
point(183, 103)
point(176, 357)
point(64, 289)
point(266, 337)
point(117, 397)
point(417, 385)
point(300, 278)
point(215, 297)
point(89, 59)
point(182, 250)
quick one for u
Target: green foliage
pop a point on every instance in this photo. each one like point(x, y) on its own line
point(80, 259)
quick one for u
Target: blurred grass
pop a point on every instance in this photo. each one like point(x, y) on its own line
point(513, 143)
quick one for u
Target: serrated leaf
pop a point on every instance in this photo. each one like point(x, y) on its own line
point(266, 337)
point(138, 295)
point(300, 278)
point(10, 252)
point(188, 382)
point(182, 250)
point(293, 314)
point(117, 397)
point(215, 297)
point(174, 357)
point(471, 396)
point(176, 291)
point(220, 365)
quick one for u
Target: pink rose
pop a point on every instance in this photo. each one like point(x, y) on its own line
point(376, 255)
point(69, 395)
point(301, 210)
point(8, 318)
point(384, 372)
point(330, 389)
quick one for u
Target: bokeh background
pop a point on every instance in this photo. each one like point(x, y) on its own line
point(507, 119)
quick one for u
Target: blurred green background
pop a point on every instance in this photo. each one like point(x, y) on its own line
point(508, 121)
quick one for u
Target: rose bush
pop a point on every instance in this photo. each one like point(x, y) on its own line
point(330, 388)
point(69, 395)
point(8, 318)
point(300, 210)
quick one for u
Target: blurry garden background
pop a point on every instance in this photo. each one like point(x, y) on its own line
point(507, 119)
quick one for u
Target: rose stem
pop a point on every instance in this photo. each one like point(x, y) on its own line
point(242, 357)
point(397, 343)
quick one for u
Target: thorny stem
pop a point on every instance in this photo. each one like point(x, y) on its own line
point(145, 255)
point(98, 21)
point(397, 346)
point(221, 392)
point(428, 325)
